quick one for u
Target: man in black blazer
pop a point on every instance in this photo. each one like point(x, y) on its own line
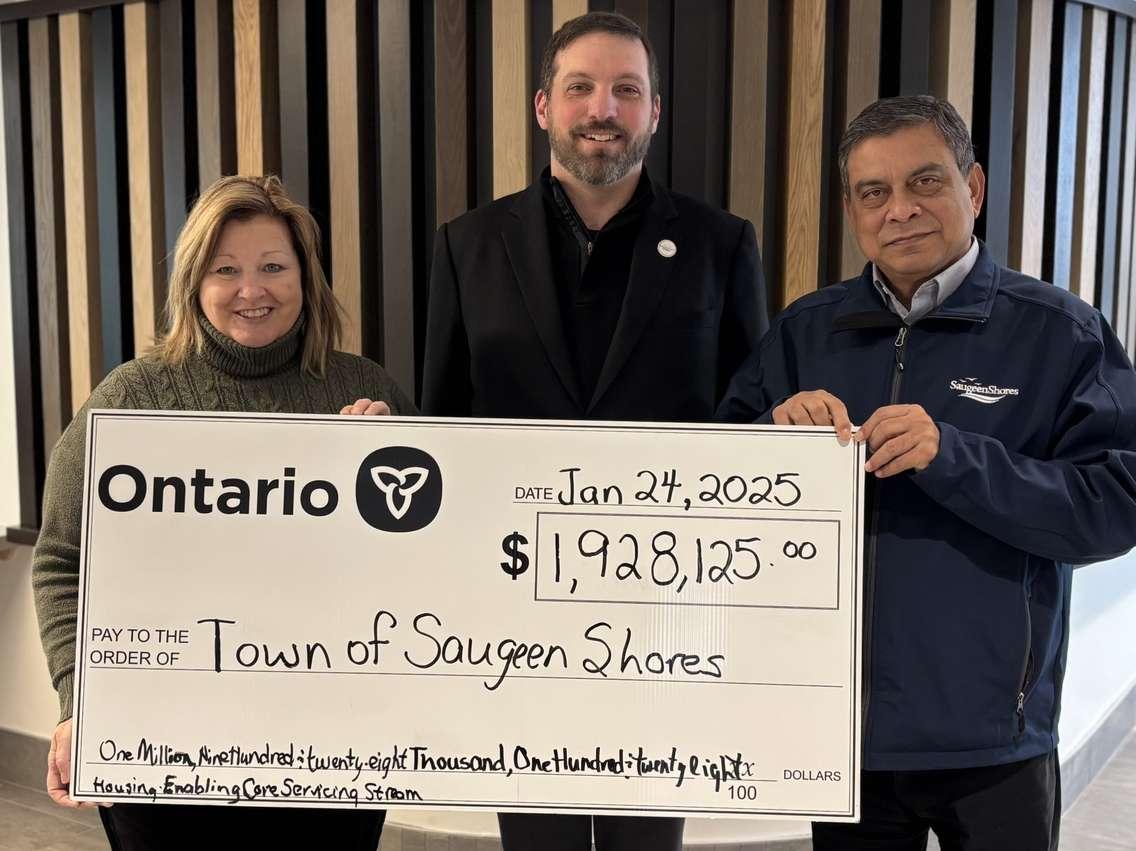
point(595, 293)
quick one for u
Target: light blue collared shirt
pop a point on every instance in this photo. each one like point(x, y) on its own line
point(931, 293)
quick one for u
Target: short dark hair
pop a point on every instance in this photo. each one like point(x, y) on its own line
point(605, 22)
point(888, 115)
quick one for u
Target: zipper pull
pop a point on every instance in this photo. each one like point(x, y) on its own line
point(588, 250)
point(1021, 712)
point(900, 340)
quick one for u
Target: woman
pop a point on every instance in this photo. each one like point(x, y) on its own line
point(252, 327)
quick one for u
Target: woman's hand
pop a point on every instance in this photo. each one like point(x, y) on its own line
point(366, 408)
point(59, 769)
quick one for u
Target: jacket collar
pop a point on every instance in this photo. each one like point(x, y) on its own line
point(526, 243)
point(971, 302)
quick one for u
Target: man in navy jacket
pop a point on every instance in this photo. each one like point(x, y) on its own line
point(1000, 412)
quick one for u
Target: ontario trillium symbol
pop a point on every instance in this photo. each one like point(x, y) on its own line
point(399, 486)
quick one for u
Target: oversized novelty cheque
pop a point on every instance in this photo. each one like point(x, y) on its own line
point(476, 614)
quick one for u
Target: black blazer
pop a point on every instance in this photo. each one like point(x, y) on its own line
point(495, 344)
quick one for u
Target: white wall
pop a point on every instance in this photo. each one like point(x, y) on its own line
point(1102, 647)
point(9, 486)
point(27, 701)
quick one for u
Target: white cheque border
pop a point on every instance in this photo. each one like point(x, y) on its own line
point(95, 416)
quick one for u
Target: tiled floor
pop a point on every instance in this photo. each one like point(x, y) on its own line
point(1102, 819)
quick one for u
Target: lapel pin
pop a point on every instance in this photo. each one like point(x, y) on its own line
point(667, 248)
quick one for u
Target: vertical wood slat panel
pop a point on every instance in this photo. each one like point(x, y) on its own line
point(1094, 44)
point(1127, 331)
point(952, 54)
point(396, 190)
point(749, 30)
point(1031, 120)
point(80, 200)
point(293, 74)
point(1125, 311)
point(50, 240)
point(511, 151)
point(144, 152)
point(175, 170)
point(112, 180)
point(998, 126)
point(565, 10)
point(915, 47)
point(344, 153)
point(29, 454)
point(639, 10)
point(805, 151)
point(861, 88)
point(256, 86)
point(451, 111)
point(1060, 242)
point(538, 31)
point(699, 100)
point(660, 30)
point(216, 129)
point(1110, 185)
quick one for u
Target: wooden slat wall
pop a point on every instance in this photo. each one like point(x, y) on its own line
point(176, 119)
point(565, 10)
point(451, 111)
point(257, 92)
point(1031, 119)
point(748, 109)
point(1061, 213)
point(993, 123)
point(952, 53)
point(293, 97)
point(1125, 313)
point(1111, 170)
point(511, 97)
point(346, 197)
point(391, 118)
point(1094, 40)
point(112, 178)
point(395, 175)
point(50, 227)
point(860, 70)
point(80, 199)
point(29, 420)
point(805, 156)
point(213, 53)
point(144, 140)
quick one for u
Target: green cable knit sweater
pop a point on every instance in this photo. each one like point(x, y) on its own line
point(225, 377)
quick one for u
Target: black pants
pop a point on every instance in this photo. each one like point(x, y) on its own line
point(158, 827)
point(1014, 806)
point(541, 832)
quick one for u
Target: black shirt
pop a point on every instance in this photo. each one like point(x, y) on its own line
point(591, 270)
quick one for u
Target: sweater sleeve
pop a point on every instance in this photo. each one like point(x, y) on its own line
point(55, 561)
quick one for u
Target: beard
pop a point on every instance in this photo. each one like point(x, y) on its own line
point(602, 168)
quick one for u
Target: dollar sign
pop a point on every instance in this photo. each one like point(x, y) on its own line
point(512, 544)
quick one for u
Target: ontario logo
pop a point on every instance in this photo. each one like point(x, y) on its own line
point(398, 489)
point(987, 394)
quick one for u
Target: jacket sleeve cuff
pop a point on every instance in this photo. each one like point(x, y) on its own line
point(938, 473)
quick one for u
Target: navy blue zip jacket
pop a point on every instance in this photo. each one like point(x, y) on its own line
point(968, 567)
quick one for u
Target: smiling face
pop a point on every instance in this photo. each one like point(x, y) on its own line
point(910, 207)
point(599, 113)
point(252, 292)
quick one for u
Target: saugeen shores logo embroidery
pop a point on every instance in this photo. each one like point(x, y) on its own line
point(398, 489)
point(987, 394)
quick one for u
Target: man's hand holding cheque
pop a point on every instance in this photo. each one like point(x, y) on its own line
point(900, 437)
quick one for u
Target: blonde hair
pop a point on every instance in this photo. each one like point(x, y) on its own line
point(238, 198)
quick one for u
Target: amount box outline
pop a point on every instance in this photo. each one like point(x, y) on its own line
point(536, 561)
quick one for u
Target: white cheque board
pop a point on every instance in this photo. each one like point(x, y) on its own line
point(478, 614)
